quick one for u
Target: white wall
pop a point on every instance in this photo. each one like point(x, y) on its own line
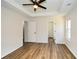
point(59, 29)
point(72, 45)
point(41, 30)
point(11, 30)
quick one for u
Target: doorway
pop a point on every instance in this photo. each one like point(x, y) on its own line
point(25, 32)
point(51, 30)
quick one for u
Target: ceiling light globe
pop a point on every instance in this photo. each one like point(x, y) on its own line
point(35, 6)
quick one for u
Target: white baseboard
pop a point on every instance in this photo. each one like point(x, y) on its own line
point(38, 42)
point(10, 51)
point(71, 50)
point(59, 42)
point(67, 47)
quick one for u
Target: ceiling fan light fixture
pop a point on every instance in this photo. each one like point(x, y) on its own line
point(35, 6)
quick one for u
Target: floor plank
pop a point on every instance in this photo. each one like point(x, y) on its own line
point(41, 51)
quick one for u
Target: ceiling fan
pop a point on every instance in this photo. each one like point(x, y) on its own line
point(36, 4)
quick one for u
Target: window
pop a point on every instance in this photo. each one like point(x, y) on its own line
point(68, 29)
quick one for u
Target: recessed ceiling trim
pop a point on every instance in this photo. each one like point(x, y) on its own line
point(61, 11)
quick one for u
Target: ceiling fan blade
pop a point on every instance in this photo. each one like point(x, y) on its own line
point(32, 1)
point(40, 1)
point(35, 0)
point(42, 6)
point(34, 9)
point(27, 4)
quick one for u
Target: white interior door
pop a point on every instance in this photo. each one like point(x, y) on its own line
point(31, 31)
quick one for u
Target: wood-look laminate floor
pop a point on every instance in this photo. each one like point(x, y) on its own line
point(41, 51)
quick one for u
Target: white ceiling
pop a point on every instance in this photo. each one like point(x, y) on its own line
point(54, 7)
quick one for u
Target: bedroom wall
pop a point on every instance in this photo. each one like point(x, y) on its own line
point(42, 28)
point(72, 44)
point(11, 30)
point(59, 29)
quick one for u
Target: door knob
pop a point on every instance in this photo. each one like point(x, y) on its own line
point(34, 32)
